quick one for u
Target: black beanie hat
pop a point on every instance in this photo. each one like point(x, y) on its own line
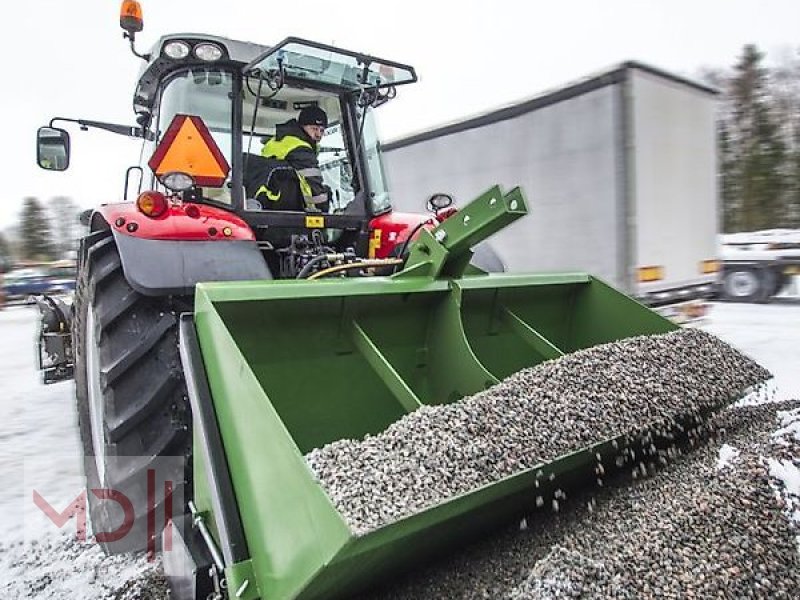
point(312, 115)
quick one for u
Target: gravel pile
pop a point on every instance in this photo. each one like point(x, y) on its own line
point(710, 523)
point(534, 416)
point(565, 574)
point(694, 529)
point(61, 567)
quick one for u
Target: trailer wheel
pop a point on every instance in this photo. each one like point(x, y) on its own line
point(131, 398)
point(741, 284)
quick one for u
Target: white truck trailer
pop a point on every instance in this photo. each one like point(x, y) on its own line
point(619, 170)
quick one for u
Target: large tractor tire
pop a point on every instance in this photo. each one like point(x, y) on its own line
point(131, 396)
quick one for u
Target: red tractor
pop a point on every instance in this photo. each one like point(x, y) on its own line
point(204, 107)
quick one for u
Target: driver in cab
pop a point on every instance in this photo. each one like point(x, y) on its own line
point(296, 143)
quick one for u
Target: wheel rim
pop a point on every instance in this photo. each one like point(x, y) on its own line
point(741, 284)
point(96, 411)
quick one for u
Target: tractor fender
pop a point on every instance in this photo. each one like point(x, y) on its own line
point(160, 267)
point(171, 258)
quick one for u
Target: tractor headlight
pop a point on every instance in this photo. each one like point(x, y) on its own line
point(208, 52)
point(177, 181)
point(176, 50)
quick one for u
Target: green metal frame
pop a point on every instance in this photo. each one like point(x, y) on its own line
point(294, 365)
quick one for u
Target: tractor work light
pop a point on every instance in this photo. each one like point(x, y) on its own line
point(176, 50)
point(208, 52)
point(177, 181)
point(152, 204)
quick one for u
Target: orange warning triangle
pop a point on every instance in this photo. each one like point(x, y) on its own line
point(188, 147)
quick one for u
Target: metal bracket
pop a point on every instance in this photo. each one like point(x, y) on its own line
point(445, 251)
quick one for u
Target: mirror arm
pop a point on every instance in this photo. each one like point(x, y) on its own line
point(112, 127)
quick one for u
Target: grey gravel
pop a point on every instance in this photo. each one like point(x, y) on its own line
point(564, 573)
point(688, 530)
point(530, 418)
point(52, 568)
point(680, 529)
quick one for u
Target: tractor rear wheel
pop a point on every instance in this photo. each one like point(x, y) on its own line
point(131, 395)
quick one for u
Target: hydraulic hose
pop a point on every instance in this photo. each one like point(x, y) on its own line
point(414, 231)
point(375, 262)
point(314, 261)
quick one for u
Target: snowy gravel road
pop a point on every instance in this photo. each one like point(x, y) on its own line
point(770, 333)
point(39, 449)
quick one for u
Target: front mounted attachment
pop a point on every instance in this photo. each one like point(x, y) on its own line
point(294, 365)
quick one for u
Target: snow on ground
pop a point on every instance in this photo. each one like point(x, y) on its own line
point(727, 455)
point(39, 449)
point(769, 333)
point(788, 473)
point(790, 424)
point(37, 424)
point(785, 469)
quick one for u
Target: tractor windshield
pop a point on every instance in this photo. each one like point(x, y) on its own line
point(207, 93)
point(326, 65)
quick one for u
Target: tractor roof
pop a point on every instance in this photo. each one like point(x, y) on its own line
point(158, 65)
point(309, 62)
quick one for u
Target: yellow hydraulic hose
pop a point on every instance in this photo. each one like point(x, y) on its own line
point(373, 262)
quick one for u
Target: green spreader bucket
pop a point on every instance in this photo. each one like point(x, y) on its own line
point(294, 365)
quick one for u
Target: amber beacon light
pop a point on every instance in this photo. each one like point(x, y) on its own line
point(130, 16)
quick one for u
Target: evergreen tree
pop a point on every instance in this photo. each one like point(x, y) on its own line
point(753, 175)
point(35, 237)
point(728, 190)
point(785, 95)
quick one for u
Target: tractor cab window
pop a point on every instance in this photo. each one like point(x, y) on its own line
point(349, 75)
point(206, 93)
point(379, 192)
point(261, 121)
point(337, 172)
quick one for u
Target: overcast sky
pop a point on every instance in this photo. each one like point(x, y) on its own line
point(69, 59)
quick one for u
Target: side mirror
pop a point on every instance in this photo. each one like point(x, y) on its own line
point(52, 149)
point(438, 201)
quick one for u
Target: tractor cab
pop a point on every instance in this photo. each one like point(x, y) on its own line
point(206, 106)
point(247, 91)
point(243, 93)
point(347, 86)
